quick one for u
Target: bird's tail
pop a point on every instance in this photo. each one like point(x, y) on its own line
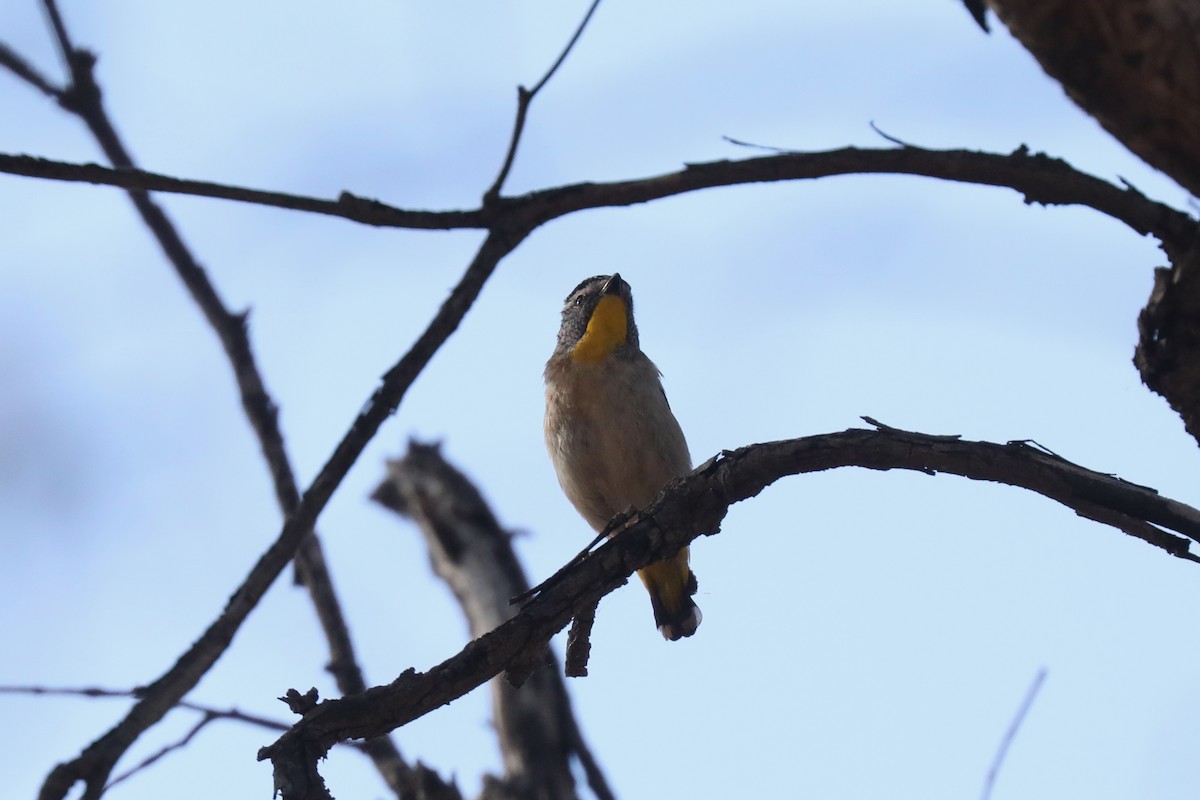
point(671, 584)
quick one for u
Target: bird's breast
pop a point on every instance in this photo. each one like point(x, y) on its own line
point(612, 437)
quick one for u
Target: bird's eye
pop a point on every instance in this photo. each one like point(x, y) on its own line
point(579, 300)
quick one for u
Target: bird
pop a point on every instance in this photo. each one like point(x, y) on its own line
point(611, 434)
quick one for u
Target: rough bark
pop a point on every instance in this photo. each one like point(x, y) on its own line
point(1134, 65)
point(1168, 350)
point(473, 554)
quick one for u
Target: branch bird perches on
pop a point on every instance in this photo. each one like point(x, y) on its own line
point(693, 507)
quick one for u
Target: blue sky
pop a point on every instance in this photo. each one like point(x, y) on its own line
point(864, 634)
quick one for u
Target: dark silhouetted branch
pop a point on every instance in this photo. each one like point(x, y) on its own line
point(83, 97)
point(18, 66)
point(128, 694)
point(524, 98)
point(689, 508)
point(1038, 177)
point(207, 713)
point(95, 763)
point(163, 752)
point(535, 725)
point(348, 206)
point(1011, 734)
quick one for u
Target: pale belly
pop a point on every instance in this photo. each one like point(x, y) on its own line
point(614, 443)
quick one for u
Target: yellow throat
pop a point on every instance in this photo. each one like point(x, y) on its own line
point(607, 329)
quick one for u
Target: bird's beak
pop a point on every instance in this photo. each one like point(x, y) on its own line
point(612, 285)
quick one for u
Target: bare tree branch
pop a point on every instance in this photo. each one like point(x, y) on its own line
point(96, 762)
point(524, 99)
point(207, 713)
point(350, 207)
point(687, 509)
point(1011, 733)
point(1038, 177)
point(96, 691)
point(83, 98)
point(162, 752)
point(66, 48)
point(14, 63)
point(535, 725)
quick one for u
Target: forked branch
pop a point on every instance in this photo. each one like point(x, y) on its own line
point(82, 96)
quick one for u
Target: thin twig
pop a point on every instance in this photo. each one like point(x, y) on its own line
point(888, 137)
point(1011, 733)
point(65, 47)
point(566, 50)
point(212, 715)
point(753, 146)
point(208, 714)
point(95, 691)
point(874, 423)
point(521, 597)
point(162, 752)
point(18, 66)
point(524, 98)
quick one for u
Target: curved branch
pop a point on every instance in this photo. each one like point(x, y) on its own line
point(1038, 177)
point(695, 506)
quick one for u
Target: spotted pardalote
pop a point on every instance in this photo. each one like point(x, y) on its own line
point(611, 434)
